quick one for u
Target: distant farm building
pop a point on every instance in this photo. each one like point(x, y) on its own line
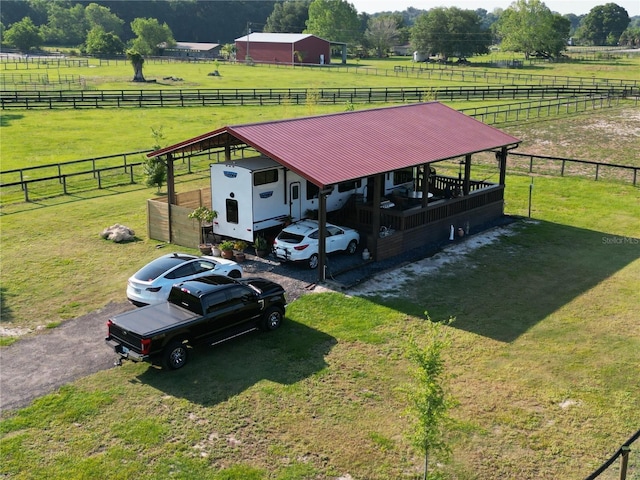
point(193, 50)
point(289, 48)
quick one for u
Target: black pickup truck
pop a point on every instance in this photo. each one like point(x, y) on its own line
point(209, 309)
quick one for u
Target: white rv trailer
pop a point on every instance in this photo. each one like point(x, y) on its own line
point(255, 194)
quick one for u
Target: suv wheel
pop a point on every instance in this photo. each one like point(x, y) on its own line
point(313, 261)
point(352, 247)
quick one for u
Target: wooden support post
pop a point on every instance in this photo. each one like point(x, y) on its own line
point(378, 181)
point(170, 192)
point(467, 175)
point(426, 179)
point(322, 245)
point(502, 157)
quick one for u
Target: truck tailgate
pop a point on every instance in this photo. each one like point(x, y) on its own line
point(146, 321)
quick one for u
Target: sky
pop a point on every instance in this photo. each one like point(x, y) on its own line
point(579, 7)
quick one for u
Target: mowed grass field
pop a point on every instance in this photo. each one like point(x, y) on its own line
point(544, 357)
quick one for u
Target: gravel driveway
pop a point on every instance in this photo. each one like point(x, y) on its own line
point(37, 365)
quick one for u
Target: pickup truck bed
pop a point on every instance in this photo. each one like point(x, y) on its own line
point(157, 317)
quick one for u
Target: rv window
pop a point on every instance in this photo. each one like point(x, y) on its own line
point(295, 192)
point(232, 211)
point(402, 176)
point(347, 186)
point(312, 191)
point(262, 178)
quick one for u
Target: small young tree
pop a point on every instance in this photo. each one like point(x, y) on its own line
point(429, 401)
point(154, 168)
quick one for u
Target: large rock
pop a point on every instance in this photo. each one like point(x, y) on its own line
point(118, 233)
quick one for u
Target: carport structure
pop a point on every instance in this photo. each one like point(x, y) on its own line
point(366, 145)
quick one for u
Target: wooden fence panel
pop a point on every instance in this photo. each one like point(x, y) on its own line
point(157, 219)
point(185, 231)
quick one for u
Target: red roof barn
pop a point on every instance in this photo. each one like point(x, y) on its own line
point(287, 48)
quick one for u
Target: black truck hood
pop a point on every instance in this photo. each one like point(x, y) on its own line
point(264, 285)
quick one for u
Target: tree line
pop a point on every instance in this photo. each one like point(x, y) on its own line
point(146, 27)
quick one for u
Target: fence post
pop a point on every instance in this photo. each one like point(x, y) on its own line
point(597, 170)
point(624, 462)
point(99, 179)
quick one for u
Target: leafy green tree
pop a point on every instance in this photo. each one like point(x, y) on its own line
point(630, 37)
point(288, 17)
point(101, 42)
point(529, 26)
point(99, 16)
point(603, 25)
point(137, 61)
point(450, 32)
point(151, 36)
point(429, 401)
point(334, 20)
point(381, 34)
point(65, 26)
point(23, 35)
point(402, 27)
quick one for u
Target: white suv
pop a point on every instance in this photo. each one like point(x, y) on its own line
point(299, 241)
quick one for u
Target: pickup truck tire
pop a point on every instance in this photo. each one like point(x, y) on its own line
point(175, 355)
point(271, 319)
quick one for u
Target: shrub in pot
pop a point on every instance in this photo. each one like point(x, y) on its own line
point(226, 249)
point(261, 245)
point(203, 215)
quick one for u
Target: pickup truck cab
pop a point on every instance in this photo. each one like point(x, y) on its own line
point(208, 309)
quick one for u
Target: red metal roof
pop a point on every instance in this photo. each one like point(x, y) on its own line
point(329, 149)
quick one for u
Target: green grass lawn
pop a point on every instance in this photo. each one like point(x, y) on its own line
point(544, 356)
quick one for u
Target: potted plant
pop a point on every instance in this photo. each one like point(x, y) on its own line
point(239, 247)
point(261, 245)
point(204, 216)
point(226, 249)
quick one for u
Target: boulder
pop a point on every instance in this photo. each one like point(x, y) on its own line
point(118, 233)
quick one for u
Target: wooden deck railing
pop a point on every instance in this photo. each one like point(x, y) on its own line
point(481, 194)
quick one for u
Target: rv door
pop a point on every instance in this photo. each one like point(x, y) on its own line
point(295, 202)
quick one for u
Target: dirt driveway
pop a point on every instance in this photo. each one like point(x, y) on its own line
point(38, 365)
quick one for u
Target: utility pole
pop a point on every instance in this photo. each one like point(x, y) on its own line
point(248, 57)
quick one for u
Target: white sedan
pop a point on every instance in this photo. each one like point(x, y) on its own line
point(298, 242)
point(152, 283)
